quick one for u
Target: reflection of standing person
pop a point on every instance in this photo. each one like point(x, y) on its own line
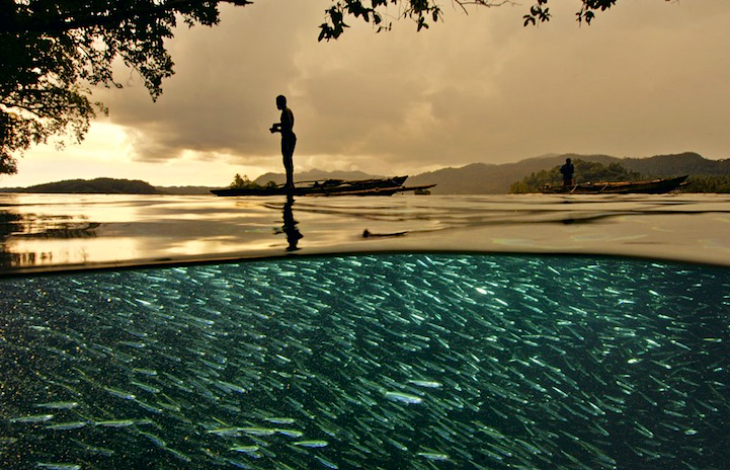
point(285, 126)
point(567, 170)
point(290, 225)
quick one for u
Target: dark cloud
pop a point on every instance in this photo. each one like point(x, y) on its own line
point(645, 78)
point(221, 99)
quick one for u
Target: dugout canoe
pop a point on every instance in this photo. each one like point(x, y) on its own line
point(657, 186)
point(329, 187)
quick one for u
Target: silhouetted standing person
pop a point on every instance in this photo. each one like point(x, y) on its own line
point(567, 170)
point(288, 139)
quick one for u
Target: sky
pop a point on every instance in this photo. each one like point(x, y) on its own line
point(648, 77)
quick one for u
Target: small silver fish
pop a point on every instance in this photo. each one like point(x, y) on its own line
point(67, 426)
point(312, 443)
point(403, 397)
point(31, 419)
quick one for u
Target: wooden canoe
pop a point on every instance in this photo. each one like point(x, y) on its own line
point(657, 186)
point(330, 187)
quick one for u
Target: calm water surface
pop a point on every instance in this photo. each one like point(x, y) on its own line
point(465, 332)
point(41, 232)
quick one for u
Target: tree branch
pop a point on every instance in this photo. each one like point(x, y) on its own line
point(112, 18)
point(483, 3)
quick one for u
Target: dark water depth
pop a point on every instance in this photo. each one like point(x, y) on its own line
point(369, 362)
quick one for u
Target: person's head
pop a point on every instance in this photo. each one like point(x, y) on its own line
point(280, 102)
point(567, 160)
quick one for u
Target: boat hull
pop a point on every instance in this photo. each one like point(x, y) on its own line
point(371, 187)
point(658, 186)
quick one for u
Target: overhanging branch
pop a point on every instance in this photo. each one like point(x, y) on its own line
point(111, 18)
point(481, 3)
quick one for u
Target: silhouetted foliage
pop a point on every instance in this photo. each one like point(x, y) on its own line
point(51, 51)
point(707, 184)
point(245, 183)
point(424, 11)
point(585, 172)
point(539, 12)
point(239, 182)
point(95, 186)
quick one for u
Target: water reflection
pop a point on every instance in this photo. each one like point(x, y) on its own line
point(17, 227)
point(47, 232)
point(290, 225)
point(9, 224)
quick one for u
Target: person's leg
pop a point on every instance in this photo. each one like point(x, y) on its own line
point(287, 151)
point(289, 169)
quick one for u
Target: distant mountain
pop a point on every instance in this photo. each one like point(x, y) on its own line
point(485, 178)
point(311, 175)
point(688, 163)
point(476, 178)
point(109, 186)
point(94, 186)
point(482, 178)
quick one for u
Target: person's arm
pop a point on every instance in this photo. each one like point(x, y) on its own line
point(287, 121)
point(286, 126)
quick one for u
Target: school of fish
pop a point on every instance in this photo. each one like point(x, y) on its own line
point(400, 361)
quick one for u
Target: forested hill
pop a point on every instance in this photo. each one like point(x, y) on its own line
point(476, 178)
point(482, 178)
point(674, 165)
point(95, 186)
point(311, 175)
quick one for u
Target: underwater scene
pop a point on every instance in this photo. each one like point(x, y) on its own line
point(374, 361)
